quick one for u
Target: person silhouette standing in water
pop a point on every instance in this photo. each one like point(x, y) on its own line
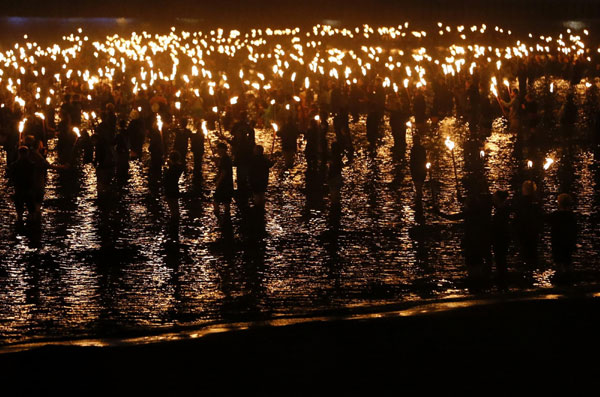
point(223, 184)
point(563, 227)
point(171, 175)
point(500, 231)
point(418, 169)
point(528, 223)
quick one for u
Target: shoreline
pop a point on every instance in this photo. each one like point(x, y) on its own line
point(534, 344)
point(427, 307)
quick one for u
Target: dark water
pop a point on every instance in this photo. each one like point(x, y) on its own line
point(112, 267)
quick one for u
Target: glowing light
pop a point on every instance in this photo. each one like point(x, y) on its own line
point(449, 144)
point(494, 91)
point(22, 125)
point(548, 163)
point(275, 127)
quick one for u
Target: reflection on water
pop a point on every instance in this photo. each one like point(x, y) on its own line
point(106, 267)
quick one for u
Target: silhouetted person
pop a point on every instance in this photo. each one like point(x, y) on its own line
point(376, 108)
point(242, 146)
point(568, 115)
point(500, 230)
point(528, 222)
point(530, 110)
point(398, 119)
point(182, 139)
point(136, 133)
point(9, 133)
point(223, 184)
point(171, 175)
point(514, 110)
point(87, 146)
point(358, 97)
point(66, 140)
point(419, 110)
point(312, 150)
point(334, 175)
point(22, 174)
point(476, 242)
point(260, 167)
point(156, 149)
point(40, 168)
point(197, 148)
point(122, 146)
point(418, 170)
point(563, 226)
point(289, 141)
point(473, 103)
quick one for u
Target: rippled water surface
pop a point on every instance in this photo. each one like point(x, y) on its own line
point(105, 268)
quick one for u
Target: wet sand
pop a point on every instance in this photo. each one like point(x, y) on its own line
point(491, 347)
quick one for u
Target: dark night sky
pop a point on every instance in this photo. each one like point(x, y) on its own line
point(298, 10)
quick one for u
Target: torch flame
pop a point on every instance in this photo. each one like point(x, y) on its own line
point(275, 127)
point(449, 143)
point(548, 163)
point(22, 125)
point(493, 89)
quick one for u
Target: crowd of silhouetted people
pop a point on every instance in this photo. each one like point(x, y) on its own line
point(110, 127)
